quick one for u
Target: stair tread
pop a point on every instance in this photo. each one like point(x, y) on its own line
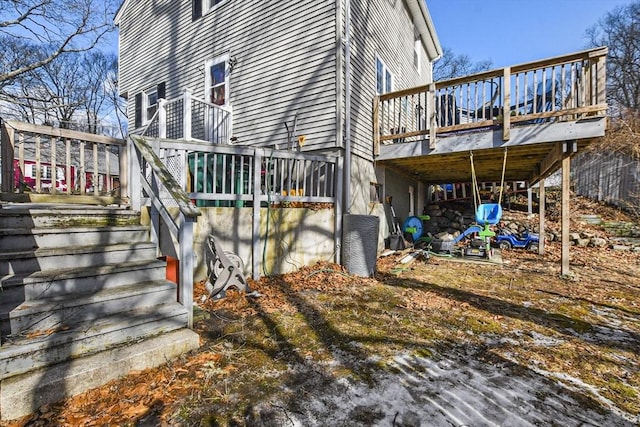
point(64, 301)
point(66, 250)
point(20, 345)
point(48, 209)
point(72, 229)
point(19, 279)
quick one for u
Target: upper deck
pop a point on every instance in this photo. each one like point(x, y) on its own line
point(531, 109)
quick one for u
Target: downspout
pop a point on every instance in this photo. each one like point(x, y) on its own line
point(347, 110)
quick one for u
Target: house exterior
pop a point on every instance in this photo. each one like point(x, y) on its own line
point(285, 70)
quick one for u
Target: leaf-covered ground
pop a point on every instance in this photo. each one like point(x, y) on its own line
point(434, 342)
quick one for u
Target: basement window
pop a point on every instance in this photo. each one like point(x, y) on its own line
point(375, 192)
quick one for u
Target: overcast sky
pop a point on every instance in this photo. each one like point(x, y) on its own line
point(510, 32)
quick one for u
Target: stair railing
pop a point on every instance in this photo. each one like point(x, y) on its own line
point(190, 118)
point(154, 179)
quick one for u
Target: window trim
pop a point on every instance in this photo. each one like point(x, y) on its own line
point(199, 8)
point(215, 5)
point(387, 77)
point(146, 94)
point(207, 76)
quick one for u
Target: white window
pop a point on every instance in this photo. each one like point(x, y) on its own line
point(150, 100)
point(417, 47)
point(217, 83)
point(210, 4)
point(202, 7)
point(384, 78)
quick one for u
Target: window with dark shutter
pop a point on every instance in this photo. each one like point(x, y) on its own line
point(161, 91)
point(138, 112)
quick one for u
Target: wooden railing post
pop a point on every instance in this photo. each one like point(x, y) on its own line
point(376, 125)
point(506, 110)
point(601, 78)
point(134, 187)
point(186, 266)
point(124, 153)
point(257, 191)
point(7, 150)
point(431, 108)
point(186, 114)
point(162, 118)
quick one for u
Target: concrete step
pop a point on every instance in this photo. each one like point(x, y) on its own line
point(23, 394)
point(42, 215)
point(26, 353)
point(59, 313)
point(43, 259)
point(25, 239)
point(39, 285)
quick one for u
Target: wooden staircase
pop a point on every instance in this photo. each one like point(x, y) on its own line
point(83, 300)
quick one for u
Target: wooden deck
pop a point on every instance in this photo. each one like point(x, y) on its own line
point(555, 108)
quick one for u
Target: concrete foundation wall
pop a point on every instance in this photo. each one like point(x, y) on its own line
point(295, 237)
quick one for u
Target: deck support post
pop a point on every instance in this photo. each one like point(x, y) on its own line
point(376, 127)
point(255, 242)
point(568, 148)
point(541, 214)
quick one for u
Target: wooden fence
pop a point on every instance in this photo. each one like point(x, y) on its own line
point(610, 177)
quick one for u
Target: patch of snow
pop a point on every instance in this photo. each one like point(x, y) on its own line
point(459, 388)
point(542, 340)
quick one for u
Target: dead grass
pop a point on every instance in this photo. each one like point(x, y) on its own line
point(319, 324)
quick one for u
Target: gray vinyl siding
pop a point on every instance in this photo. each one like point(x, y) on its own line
point(285, 53)
point(385, 29)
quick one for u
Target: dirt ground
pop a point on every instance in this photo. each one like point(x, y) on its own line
point(437, 342)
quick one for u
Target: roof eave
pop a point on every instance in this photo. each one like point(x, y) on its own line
point(427, 30)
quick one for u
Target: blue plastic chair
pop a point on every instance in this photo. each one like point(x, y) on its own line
point(488, 214)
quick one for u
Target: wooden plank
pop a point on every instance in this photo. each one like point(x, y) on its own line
point(376, 125)
point(54, 171)
point(566, 181)
point(559, 60)
point(83, 174)
point(64, 133)
point(542, 206)
point(506, 111)
point(433, 125)
point(38, 166)
point(67, 157)
point(601, 94)
point(551, 161)
point(8, 152)
point(96, 174)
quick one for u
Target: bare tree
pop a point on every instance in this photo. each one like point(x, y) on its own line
point(455, 65)
point(620, 31)
point(62, 26)
point(75, 91)
point(100, 70)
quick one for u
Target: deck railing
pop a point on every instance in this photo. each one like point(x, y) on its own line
point(564, 88)
point(43, 159)
point(190, 118)
point(232, 175)
point(188, 174)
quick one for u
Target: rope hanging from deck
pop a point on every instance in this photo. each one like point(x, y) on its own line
point(474, 181)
